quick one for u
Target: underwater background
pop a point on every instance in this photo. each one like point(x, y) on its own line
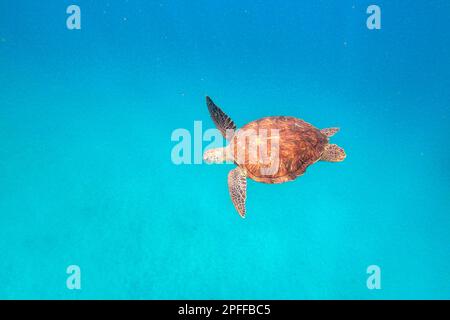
point(87, 179)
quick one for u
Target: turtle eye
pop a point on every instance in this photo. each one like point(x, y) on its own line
point(208, 156)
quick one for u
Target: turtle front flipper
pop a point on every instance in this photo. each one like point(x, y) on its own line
point(237, 186)
point(221, 120)
point(333, 153)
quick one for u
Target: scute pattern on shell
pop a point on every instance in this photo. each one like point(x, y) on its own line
point(300, 145)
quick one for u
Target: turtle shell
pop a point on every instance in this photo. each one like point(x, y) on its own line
point(277, 149)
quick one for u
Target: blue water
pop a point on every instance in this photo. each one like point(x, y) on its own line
point(86, 175)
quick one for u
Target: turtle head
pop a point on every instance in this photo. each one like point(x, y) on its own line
point(218, 155)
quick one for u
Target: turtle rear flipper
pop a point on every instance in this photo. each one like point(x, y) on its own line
point(333, 153)
point(329, 132)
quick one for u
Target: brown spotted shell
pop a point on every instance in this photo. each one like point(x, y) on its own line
point(272, 156)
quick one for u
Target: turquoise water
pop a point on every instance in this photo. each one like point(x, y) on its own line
point(86, 175)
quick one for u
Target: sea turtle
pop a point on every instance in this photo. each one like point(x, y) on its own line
point(269, 150)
